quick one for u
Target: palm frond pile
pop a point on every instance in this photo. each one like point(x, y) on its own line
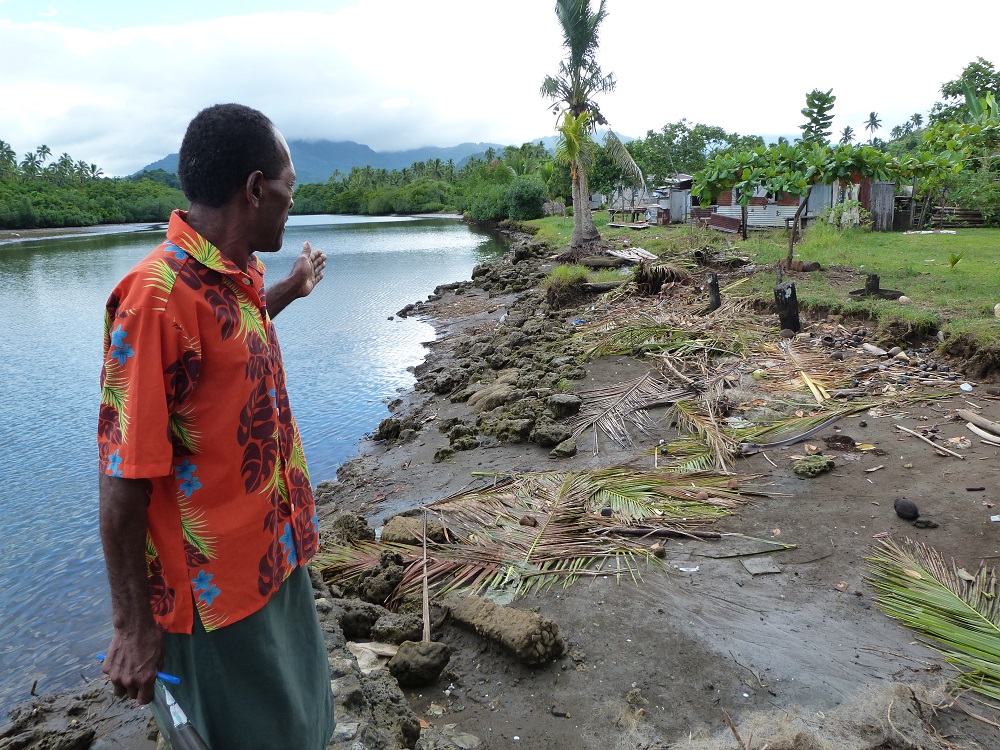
point(530, 531)
point(958, 611)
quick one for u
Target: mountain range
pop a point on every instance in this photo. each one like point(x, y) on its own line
point(315, 161)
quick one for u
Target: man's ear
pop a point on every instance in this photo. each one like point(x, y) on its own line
point(254, 188)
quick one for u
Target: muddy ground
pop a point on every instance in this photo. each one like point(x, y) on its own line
point(709, 636)
point(662, 663)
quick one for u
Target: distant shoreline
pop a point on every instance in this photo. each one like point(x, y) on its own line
point(17, 236)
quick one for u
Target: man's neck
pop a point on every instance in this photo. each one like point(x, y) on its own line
point(223, 229)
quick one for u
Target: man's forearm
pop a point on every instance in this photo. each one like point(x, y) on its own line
point(123, 536)
point(136, 649)
point(281, 294)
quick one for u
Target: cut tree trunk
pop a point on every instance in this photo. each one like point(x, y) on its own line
point(788, 306)
point(714, 295)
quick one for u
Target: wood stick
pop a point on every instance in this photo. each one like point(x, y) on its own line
point(426, 596)
point(978, 421)
point(930, 442)
point(672, 533)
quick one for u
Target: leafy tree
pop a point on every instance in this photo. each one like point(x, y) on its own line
point(573, 88)
point(983, 79)
point(819, 114)
point(872, 124)
point(682, 147)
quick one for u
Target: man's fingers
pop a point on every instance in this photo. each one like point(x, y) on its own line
point(306, 248)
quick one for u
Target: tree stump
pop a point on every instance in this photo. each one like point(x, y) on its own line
point(714, 295)
point(872, 285)
point(788, 306)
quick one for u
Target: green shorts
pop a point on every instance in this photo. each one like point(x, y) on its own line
point(262, 683)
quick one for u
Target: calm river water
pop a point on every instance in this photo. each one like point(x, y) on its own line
point(343, 356)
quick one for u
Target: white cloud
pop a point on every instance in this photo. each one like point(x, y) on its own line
point(395, 74)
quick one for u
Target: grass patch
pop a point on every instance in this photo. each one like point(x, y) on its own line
point(957, 298)
point(562, 284)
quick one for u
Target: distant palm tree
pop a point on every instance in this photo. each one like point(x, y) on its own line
point(873, 124)
point(896, 132)
point(847, 136)
point(572, 89)
point(917, 119)
point(95, 172)
point(43, 152)
point(31, 166)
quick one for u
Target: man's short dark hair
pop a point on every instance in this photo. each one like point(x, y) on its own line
point(222, 146)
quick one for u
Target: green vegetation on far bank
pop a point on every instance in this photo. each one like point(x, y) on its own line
point(68, 193)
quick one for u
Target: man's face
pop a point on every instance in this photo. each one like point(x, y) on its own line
point(275, 201)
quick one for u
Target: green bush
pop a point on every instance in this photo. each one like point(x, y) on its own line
point(562, 284)
point(525, 196)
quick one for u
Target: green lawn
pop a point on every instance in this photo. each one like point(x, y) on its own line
point(956, 299)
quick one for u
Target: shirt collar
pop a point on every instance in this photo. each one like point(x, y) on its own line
point(180, 234)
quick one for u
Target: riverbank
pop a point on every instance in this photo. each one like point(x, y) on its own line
point(797, 644)
point(17, 236)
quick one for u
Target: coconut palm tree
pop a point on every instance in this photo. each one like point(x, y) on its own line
point(873, 124)
point(31, 166)
point(8, 160)
point(847, 136)
point(43, 152)
point(573, 89)
point(917, 119)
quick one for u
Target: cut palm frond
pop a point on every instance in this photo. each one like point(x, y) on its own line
point(700, 419)
point(566, 539)
point(612, 409)
point(959, 611)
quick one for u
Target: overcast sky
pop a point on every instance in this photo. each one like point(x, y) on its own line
point(116, 81)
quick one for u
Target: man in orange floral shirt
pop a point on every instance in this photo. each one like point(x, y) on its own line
point(207, 512)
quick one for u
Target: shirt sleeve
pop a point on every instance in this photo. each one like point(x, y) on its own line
point(134, 423)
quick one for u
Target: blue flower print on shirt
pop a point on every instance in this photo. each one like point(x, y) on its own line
point(118, 336)
point(115, 464)
point(288, 544)
point(209, 594)
point(315, 523)
point(177, 252)
point(274, 398)
point(202, 581)
point(119, 349)
point(189, 486)
point(186, 470)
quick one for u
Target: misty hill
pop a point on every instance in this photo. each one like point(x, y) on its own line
point(315, 161)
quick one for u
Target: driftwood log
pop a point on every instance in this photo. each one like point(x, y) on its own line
point(532, 638)
point(599, 287)
point(981, 422)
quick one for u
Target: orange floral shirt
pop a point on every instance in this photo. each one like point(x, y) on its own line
point(193, 399)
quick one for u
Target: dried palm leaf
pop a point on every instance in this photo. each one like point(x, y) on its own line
point(493, 549)
point(612, 409)
point(958, 611)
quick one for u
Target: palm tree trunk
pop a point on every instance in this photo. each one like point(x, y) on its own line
point(577, 240)
point(584, 230)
